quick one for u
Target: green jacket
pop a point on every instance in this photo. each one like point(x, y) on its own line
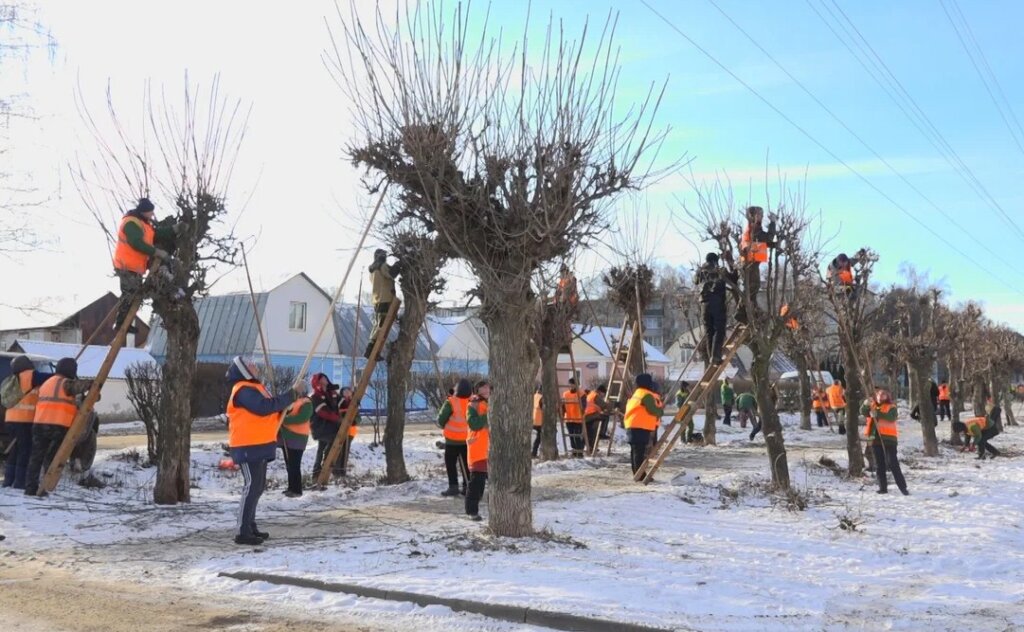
point(136, 239)
point(746, 401)
point(475, 420)
point(649, 403)
point(291, 438)
point(728, 395)
point(443, 416)
point(681, 396)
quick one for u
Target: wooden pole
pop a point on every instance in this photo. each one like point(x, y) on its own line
point(341, 286)
point(81, 420)
point(95, 332)
point(355, 335)
point(357, 395)
point(259, 322)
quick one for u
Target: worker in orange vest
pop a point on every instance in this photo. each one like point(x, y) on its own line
point(453, 418)
point(819, 401)
point(643, 417)
point(567, 293)
point(837, 403)
point(353, 429)
point(882, 431)
point(136, 247)
point(55, 412)
point(596, 415)
point(754, 247)
point(572, 415)
point(19, 420)
point(479, 444)
point(840, 272)
point(253, 420)
point(293, 437)
point(538, 420)
point(945, 397)
point(981, 429)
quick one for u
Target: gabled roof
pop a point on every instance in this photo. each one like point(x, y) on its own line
point(92, 357)
point(345, 321)
point(227, 326)
point(441, 328)
point(330, 299)
point(600, 337)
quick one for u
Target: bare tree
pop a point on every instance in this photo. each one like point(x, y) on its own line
point(552, 333)
point(421, 257)
point(762, 292)
point(183, 159)
point(512, 159)
point(145, 386)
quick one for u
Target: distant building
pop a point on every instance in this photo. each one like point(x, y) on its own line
point(593, 349)
point(79, 327)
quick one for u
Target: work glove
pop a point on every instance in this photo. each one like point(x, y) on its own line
point(161, 254)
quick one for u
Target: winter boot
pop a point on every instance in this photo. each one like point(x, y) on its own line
point(248, 540)
point(451, 491)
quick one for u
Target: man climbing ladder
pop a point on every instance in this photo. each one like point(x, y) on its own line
point(136, 251)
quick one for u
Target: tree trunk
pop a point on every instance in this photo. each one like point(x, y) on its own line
point(400, 356)
point(513, 369)
point(924, 402)
point(1008, 409)
point(995, 388)
point(710, 415)
point(770, 425)
point(954, 402)
point(804, 392)
point(552, 404)
point(854, 396)
point(912, 387)
point(978, 395)
point(174, 440)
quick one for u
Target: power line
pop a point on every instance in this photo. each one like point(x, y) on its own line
point(810, 137)
point(842, 123)
point(1018, 133)
point(949, 154)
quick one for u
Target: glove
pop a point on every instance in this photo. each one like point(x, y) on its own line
point(180, 229)
point(161, 254)
point(299, 388)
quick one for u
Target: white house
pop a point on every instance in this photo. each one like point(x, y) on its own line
point(114, 404)
point(593, 350)
point(460, 342)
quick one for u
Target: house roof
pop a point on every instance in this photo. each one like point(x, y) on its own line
point(92, 357)
point(441, 328)
point(600, 337)
point(53, 312)
point(227, 326)
point(345, 321)
point(780, 363)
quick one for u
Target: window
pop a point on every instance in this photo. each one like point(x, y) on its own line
point(481, 331)
point(297, 317)
point(685, 353)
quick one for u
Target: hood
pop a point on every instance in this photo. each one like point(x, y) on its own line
point(235, 375)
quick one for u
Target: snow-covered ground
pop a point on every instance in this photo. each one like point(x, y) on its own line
point(709, 548)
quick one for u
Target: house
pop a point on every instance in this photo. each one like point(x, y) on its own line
point(114, 404)
point(682, 350)
point(84, 324)
point(593, 351)
point(459, 342)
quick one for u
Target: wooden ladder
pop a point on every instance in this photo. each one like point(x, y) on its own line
point(82, 417)
point(562, 388)
point(357, 395)
point(685, 413)
point(619, 374)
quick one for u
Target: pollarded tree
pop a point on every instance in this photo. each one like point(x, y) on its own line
point(512, 158)
point(421, 256)
point(183, 160)
point(960, 336)
point(552, 333)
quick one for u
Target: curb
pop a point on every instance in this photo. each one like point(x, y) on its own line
point(513, 614)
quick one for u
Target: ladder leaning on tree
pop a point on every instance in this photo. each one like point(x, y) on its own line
point(628, 341)
point(686, 411)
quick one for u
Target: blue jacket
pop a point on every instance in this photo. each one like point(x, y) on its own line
point(250, 399)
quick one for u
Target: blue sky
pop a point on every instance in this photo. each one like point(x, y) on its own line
point(298, 188)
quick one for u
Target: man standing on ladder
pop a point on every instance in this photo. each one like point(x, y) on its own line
point(136, 246)
point(754, 247)
point(382, 280)
point(712, 279)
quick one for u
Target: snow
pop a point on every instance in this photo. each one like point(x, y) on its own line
point(706, 547)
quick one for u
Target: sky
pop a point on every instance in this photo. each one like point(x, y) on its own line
point(729, 109)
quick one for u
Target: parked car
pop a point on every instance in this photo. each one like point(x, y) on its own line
point(85, 451)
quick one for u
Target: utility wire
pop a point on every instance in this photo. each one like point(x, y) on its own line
point(1003, 107)
point(843, 124)
point(814, 140)
point(949, 154)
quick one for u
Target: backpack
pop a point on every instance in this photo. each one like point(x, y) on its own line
point(10, 391)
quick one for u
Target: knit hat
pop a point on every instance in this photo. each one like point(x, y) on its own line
point(380, 253)
point(711, 257)
point(245, 367)
point(67, 367)
point(644, 380)
point(464, 388)
point(21, 363)
point(144, 205)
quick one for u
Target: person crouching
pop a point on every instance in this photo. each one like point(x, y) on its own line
point(253, 420)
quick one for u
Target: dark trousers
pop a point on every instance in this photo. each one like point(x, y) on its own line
point(255, 476)
point(728, 414)
point(885, 459)
point(323, 446)
point(639, 441)
point(575, 430)
point(983, 443)
point(18, 457)
point(293, 463)
point(714, 330)
point(594, 425)
point(454, 461)
point(822, 417)
point(346, 451)
point(131, 285)
point(46, 440)
point(755, 423)
point(944, 410)
point(477, 482)
point(536, 440)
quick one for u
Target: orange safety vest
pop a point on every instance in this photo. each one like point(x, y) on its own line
point(246, 428)
point(300, 429)
point(752, 251)
point(573, 409)
point(885, 427)
point(816, 400)
point(981, 422)
point(538, 412)
point(457, 428)
point(636, 415)
point(127, 258)
point(567, 285)
point(845, 276)
point(943, 392)
point(55, 407)
point(25, 411)
point(592, 407)
point(479, 441)
point(836, 397)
